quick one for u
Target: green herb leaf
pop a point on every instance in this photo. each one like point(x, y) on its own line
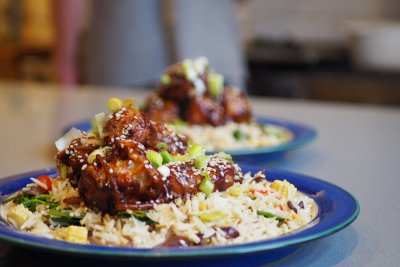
point(154, 157)
point(63, 217)
point(166, 157)
point(138, 214)
point(239, 135)
point(30, 202)
point(270, 215)
point(162, 146)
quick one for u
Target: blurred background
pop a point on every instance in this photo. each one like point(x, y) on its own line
point(342, 51)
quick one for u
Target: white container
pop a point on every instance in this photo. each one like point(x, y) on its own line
point(375, 45)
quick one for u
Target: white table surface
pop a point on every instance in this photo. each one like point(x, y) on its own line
point(357, 148)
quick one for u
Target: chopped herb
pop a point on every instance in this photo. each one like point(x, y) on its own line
point(183, 158)
point(215, 84)
point(63, 217)
point(12, 198)
point(196, 150)
point(162, 146)
point(166, 156)
point(270, 215)
point(200, 162)
point(154, 157)
point(165, 79)
point(141, 215)
point(30, 202)
point(100, 151)
point(206, 186)
point(239, 135)
point(225, 156)
point(63, 171)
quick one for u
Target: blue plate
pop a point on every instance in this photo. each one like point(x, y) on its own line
point(302, 134)
point(337, 209)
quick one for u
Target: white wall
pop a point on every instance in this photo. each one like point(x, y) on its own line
point(306, 20)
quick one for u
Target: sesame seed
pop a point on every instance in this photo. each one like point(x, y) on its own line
point(84, 167)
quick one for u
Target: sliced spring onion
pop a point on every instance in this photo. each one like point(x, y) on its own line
point(200, 162)
point(64, 141)
point(100, 151)
point(162, 146)
point(176, 125)
point(239, 135)
point(215, 84)
point(114, 104)
point(212, 216)
point(189, 70)
point(206, 175)
point(200, 64)
point(165, 79)
point(224, 155)
point(196, 150)
point(270, 215)
point(164, 170)
point(155, 158)
point(178, 122)
point(101, 122)
point(95, 128)
point(166, 156)
point(200, 86)
point(206, 186)
point(63, 171)
point(184, 158)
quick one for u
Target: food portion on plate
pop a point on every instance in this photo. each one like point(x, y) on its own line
point(193, 100)
point(133, 182)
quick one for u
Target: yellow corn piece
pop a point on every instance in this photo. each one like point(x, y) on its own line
point(73, 234)
point(20, 214)
point(235, 191)
point(284, 189)
point(212, 216)
point(292, 216)
point(202, 205)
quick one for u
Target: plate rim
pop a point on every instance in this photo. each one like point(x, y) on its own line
point(23, 239)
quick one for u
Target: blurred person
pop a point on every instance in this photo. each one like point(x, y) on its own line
point(131, 42)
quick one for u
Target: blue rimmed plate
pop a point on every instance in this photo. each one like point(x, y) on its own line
point(302, 134)
point(336, 210)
